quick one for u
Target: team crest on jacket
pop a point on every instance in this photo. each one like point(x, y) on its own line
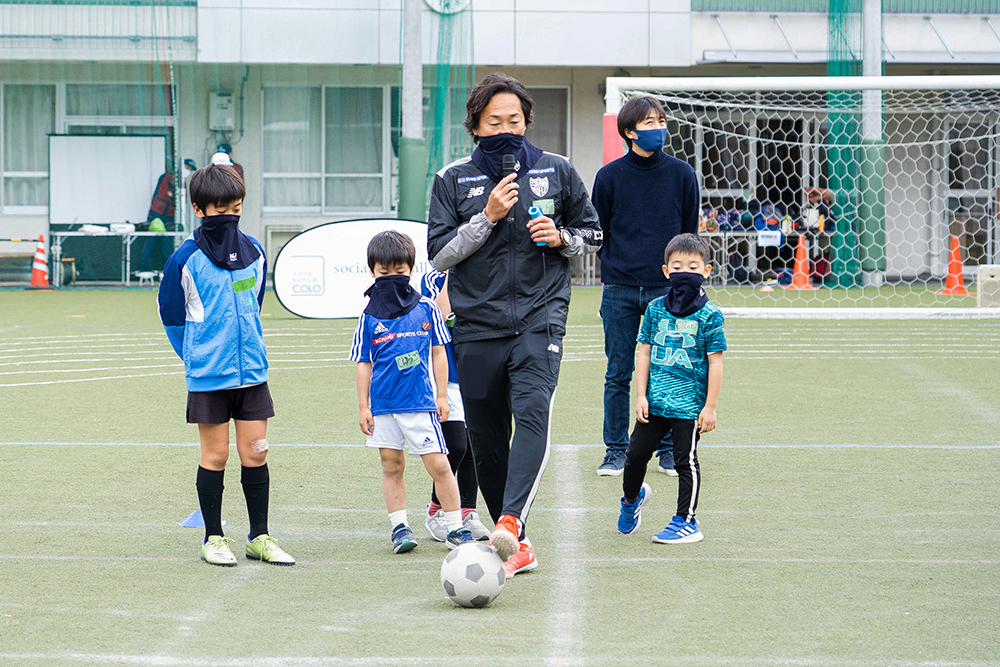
point(539, 186)
point(426, 326)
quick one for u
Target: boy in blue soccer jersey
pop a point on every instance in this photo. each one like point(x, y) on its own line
point(399, 336)
point(209, 301)
point(678, 376)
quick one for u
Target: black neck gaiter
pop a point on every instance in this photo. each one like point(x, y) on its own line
point(391, 297)
point(220, 238)
point(686, 295)
point(488, 155)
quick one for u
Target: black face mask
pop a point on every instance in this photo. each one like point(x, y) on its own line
point(686, 295)
point(488, 155)
point(391, 297)
point(221, 240)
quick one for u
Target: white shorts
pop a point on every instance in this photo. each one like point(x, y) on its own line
point(418, 431)
point(456, 410)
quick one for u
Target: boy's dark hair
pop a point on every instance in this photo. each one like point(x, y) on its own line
point(480, 96)
point(636, 110)
point(216, 184)
point(688, 244)
point(389, 248)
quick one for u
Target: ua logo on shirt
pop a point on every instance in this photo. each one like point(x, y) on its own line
point(665, 356)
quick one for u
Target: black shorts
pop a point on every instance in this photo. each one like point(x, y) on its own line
point(218, 407)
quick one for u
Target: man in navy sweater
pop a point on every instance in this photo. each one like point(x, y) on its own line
point(643, 199)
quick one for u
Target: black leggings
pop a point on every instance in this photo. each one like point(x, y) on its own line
point(644, 441)
point(462, 464)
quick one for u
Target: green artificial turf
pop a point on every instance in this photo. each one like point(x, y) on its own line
point(849, 508)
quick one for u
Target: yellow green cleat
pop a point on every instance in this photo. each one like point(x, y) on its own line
point(216, 551)
point(264, 548)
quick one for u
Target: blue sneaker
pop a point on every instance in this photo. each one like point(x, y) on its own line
point(458, 537)
point(402, 539)
point(631, 514)
point(679, 531)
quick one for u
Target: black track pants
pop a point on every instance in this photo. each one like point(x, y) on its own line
point(504, 379)
point(460, 459)
point(644, 441)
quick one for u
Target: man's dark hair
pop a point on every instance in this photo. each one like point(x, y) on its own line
point(480, 96)
point(687, 244)
point(216, 184)
point(635, 110)
point(389, 248)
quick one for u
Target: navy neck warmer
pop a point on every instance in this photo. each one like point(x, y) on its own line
point(686, 295)
point(488, 155)
point(221, 240)
point(391, 297)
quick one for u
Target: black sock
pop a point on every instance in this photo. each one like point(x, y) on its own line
point(209, 485)
point(256, 486)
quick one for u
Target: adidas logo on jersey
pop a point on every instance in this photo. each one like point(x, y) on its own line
point(428, 441)
point(380, 328)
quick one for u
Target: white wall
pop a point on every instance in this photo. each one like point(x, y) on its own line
point(506, 32)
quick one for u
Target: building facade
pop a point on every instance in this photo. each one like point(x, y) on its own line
point(307, 91)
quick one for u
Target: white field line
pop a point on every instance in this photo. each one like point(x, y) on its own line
point(200, 617)
point(518, 659)
point(951, 392)
point(565, 609)
point(108, 355)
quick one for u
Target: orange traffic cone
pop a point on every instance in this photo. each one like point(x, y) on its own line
point(40, 267)
point(800, 274)
point(954, 283)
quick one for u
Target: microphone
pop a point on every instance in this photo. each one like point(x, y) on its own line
point(509, 168)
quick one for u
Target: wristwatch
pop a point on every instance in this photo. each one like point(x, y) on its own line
point(566, 237)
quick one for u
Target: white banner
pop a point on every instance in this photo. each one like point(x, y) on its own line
point(323, 272)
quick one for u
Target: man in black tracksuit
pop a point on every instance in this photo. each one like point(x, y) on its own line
point(509, 285)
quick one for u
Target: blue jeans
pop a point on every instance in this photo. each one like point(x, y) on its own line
point(622, 308)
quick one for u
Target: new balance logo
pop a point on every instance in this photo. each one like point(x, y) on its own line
point(380, 328)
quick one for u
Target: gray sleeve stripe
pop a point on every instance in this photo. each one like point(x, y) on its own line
point(469, 238)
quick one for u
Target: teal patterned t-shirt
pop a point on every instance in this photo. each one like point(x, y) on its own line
point(679, 349)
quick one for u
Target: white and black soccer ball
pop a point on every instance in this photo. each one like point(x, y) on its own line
point(472, 575)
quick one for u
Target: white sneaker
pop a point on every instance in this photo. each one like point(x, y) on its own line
point(476, 527)
point(436, 525)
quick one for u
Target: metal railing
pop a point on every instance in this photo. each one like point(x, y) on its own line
point(977, 7)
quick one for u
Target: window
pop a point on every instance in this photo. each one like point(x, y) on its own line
point(325, 149)
point(28, 117)
point(354, 165)
point(331, 149)
point(120, 109)
point(293, 149)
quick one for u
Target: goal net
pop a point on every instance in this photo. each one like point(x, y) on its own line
point(838, 191)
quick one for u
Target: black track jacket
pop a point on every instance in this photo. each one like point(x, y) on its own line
point(500, 283)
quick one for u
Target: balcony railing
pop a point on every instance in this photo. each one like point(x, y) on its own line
point(977, 7)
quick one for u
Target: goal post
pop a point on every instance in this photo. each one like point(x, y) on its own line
point(876, 176)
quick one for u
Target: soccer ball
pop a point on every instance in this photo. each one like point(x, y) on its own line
point(472, 575)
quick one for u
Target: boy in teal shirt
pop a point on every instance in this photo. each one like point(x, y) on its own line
point(678, 376)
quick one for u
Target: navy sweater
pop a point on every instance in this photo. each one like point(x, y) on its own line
point(643, 202)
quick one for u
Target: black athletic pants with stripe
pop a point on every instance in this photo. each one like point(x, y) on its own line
point(645, 440)
point(504, 379)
